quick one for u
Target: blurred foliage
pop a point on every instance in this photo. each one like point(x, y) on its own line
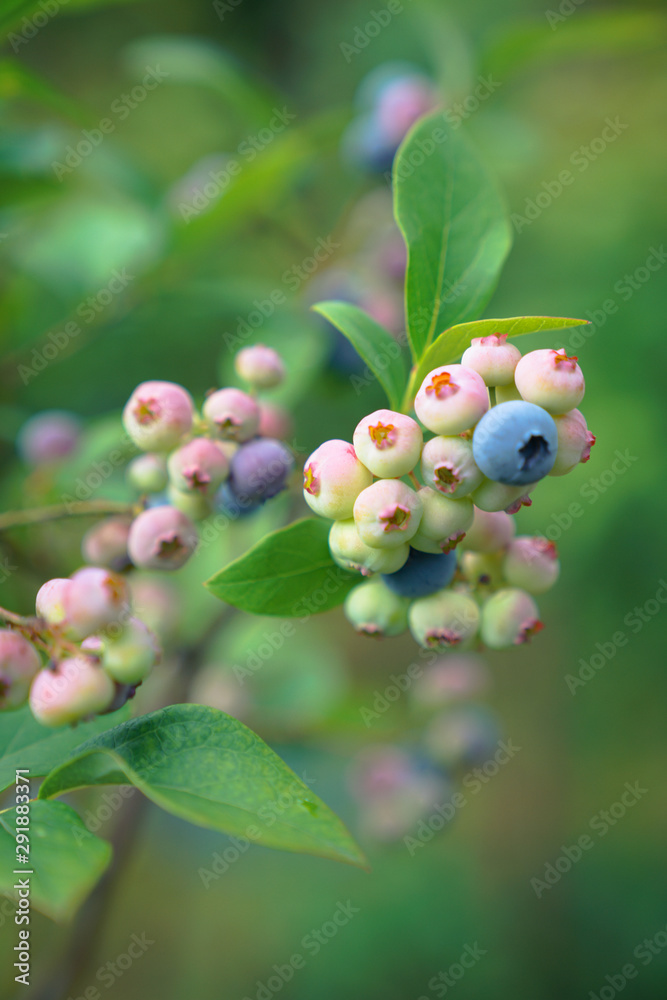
point(192, 286)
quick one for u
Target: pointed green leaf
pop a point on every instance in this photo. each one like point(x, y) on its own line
point(65, 858)
point(455, 225)
point(200, 764)
point(25, 743)
point(288, 573)
point(381, 352)
point(451, 344)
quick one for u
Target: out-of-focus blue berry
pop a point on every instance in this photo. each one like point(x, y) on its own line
point(259, 470)
point(226, 503)
point(515, 443)
point(422, 574)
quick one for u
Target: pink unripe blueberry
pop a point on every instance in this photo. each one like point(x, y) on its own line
point(148, 473)
point(380, 769)
point(454, 677)
point(333, 478)
point(489, 532)
point(451, 399)
point(260, 366)
point(48, 437)
point(400, 103)
point(387, 514)
point(550, 379)
point(531, 563)
point(492, 496)
point(76, 688)
point(388, 443)
point(444, 522)
point(462, 734)
point(509, 618)
point(105, 544)
point(162, 538)
point(448, 466)
point(50, 600)
point(19, 662)
point(96, 599)
point(492, 358)
point(374, 610)
point(130, 658)
point(574, 442)
point(274, 421)
point(199, 466)
point(443, 619)
point(158, 415)
point(232, 414)
point(348, 551)
point(158, 604)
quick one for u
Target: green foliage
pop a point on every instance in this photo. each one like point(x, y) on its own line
point(206, 767)
point(25, 743)
point(288, 573)
point(455, 226)
point(373, 343)
point(66, 859)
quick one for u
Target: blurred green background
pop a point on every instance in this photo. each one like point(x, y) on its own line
point(560, 72)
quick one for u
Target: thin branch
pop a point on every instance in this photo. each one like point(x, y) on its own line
point(60, 511)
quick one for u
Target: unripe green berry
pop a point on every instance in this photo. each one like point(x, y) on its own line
point(491, 496)
point(130, 658)
point(444, 522)
point(444, 619)
point(489, 532)
point(388, 443)
point(148, 473)
point(509, 618)
point(348, 551)
point(447, 465)
point(387, 514)
point(374, 610)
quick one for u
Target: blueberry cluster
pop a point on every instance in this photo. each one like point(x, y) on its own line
point(391, 98)
point(83, 654)
point(414, 789)
point(500, 424)
point(228, 457)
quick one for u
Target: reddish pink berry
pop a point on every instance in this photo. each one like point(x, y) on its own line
point(158, 415)
point(451, 399)
point(76, 688)
point(333, 478)
point(260, 366)
point(96, 599)
point(574, 442)
point(233, 414)
point(492, 358)
point(19, 662)
point(162, 538)
point(550, 379)
point(199, 466)
point(105, 544)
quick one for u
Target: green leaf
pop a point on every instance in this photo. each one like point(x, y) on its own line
point(455, 225)
point(451, 344)
point(381, 352)
point(13, 12)
point(288, 573)
point(25, 743)
point(200, 764)
point(65, 858)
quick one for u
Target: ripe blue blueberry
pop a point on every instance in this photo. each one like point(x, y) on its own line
point(422, 574)
point(259, 469)
point(515, 443)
